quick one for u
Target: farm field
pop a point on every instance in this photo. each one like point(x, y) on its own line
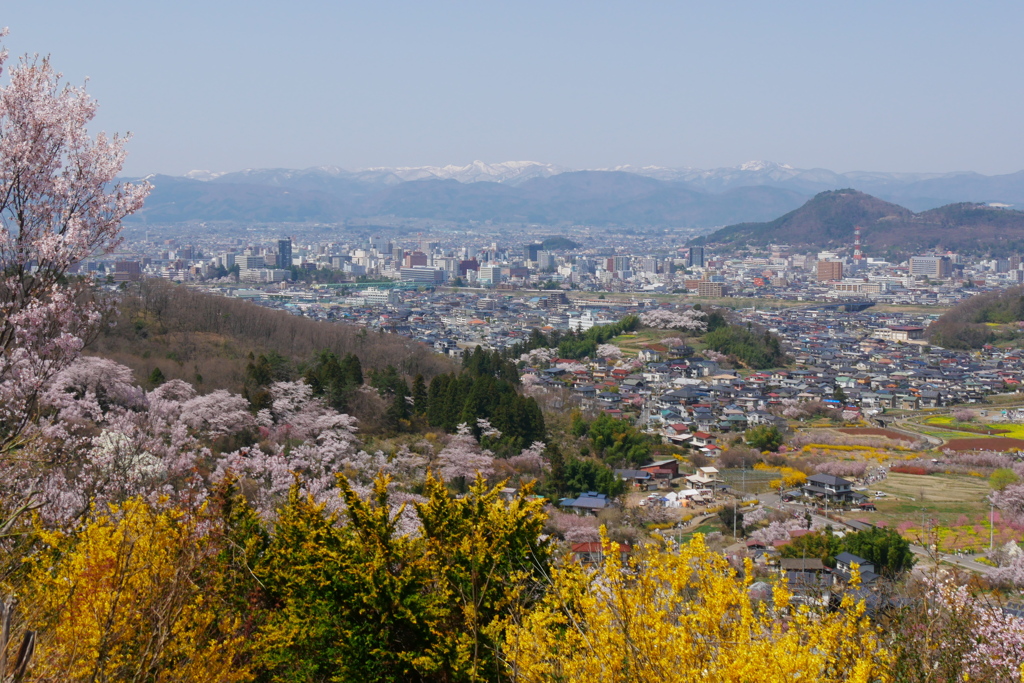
point(910, 308)
point(935, 488)
point(874, 431)
point(986, 443)
point(957, 504)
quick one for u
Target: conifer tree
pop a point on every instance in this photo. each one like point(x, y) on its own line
point(419, 395)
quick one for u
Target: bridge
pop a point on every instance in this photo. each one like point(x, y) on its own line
point(849, 306)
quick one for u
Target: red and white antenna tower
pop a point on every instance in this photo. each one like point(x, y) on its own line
point(858, 255)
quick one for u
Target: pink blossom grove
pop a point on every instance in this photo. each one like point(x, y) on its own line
point(687, 320)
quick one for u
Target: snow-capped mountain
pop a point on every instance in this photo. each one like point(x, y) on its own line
point(505, 172)
point(916, 191)
point(203, 175)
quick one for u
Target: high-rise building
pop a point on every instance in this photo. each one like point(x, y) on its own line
point(416, 258)
point(530, 251)
point(706, 288)
point(830, 270)
point(931, 266)
point(249, 261)
point(545, 260)
point(490, 275)
point(284, 254)
point(695, 257)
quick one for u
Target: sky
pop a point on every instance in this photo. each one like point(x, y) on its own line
point(218, 85)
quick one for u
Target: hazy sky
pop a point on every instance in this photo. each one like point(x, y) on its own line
point(893, 86)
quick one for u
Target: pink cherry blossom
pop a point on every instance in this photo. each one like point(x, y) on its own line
point(687, 320)
point(462, 458)
point(59, 204)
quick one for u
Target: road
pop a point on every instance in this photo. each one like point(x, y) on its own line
point(962, 562)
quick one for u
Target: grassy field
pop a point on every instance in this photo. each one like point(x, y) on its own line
point(905, 308)
point(939, 489)
point(631, 343)
point(954, 508)
point(723, 302)
point(751, 481)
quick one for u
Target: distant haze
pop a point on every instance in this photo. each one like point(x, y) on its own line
point(228, 85)
point(532, 192)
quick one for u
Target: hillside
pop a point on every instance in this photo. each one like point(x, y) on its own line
point(206, 340)
point(829, 218)
point(980, 320)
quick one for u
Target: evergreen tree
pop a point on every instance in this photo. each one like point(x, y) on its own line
point(419, 395)
point(156, 378)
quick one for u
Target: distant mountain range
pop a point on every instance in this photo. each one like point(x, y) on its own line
point(828, 220)
point(591, 197)
point(533, 192)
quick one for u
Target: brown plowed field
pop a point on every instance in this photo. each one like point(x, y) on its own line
point(996, 443)
point(875, 431)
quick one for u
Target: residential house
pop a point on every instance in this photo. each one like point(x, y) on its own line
point(590, 502)
point(593, 553)
point(830, 488)
point(705, 478)
point(844, 568)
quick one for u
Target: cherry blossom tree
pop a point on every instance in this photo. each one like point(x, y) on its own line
point(672, 342)
point(59, 204)
point(531, 383)
point(963, 415)
point(166, 400)
point(995, 638)
point(462, 458)
point(530, 460)
point(715, 356)
point(1011, 501)
point(776, 531)
point(574, 528)
point(1012, 571)
point(688, 320)
point(218, 413)
point(609, 351)
point(92, 386)
point(843, 468)
point(540, 356)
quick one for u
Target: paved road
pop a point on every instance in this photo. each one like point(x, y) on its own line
point(772, 500)
point(962, 562)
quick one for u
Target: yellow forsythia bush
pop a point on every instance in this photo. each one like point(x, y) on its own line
point(123, 600)
point(681, 614)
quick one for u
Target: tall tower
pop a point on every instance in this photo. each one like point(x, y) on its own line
point(284, 253)
point(858, 255)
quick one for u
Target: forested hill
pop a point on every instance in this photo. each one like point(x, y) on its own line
point(206, 339)
point(829, 218)
point(967, 325)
